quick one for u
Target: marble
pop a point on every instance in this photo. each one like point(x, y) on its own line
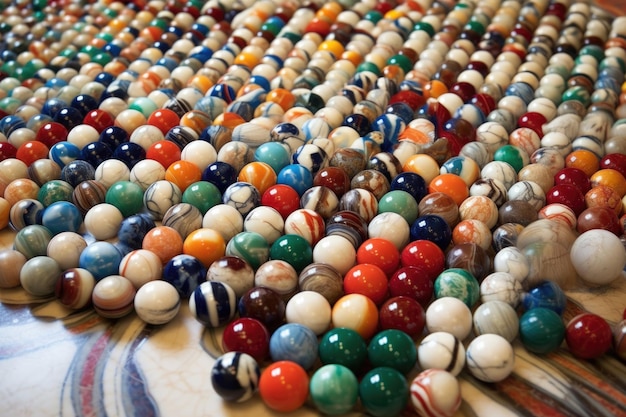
point(427, 393)
point(490, 358)
point(157, 302)
point(441, 350)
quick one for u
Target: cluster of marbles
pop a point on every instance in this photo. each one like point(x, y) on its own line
point(320, 193)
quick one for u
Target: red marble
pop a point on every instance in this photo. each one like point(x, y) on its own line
point(588, 336)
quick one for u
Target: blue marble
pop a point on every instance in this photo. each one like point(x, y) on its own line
point(185, 273)
point(133, 229)
point(432, 227)
point(68, 117)
point(521, 90)
point(545, 295)
point(64, 152)
point(113, 136)
point(412, 183)
point(213, 303)
point(52, 106)
point(390, 125)
point(220, 174)
point(101, 259)
point(62, 216)
point(402, 110)
point(297, 177)
point(95, 153)
point(235, 376)
point(130, 153)
point(294, 342)
point(77, 171)
point(8, 124)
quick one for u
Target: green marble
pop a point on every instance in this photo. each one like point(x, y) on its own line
point(252, 247)
point(334, 389)
point(541, 330)
point(343, 346)
point(458, 283)
point(384, 392)
point(512, 155)
point(393, 348)
point(293, 249)
point(577, 93)
point(32, 241)
point(53, 191)
point(400, 202)
point(126, 196)
point(202, 195)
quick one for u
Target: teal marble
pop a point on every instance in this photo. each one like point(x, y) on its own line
point(541, 330)
point(334, 389)
point(458, 283)
point(384, 392)
point(343, 346)
point(400, 202)
point(274, 154)
point(32, 241)
point(53, 191)
point(252, 247)
point(577, 93)
point(393, 348)
point(202, 195)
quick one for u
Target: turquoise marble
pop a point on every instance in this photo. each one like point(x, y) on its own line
point(458, 283)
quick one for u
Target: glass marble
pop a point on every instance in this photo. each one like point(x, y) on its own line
point(159, 197)
point(541, 330)
point(11, 262)
point(284, 386)
point(588, 336)
point(297, 177)
point(185, 273)
point(235, 376)
point(357, 312)
point(38, 276)
point(296, 343)
point(598, 257)
point(101, 259)
point(427, 393)
point(213, 303)
point(334, 389)
point(384, 392)
point(77, 171)
point(111, 171)
point(32, 240)
point(392, 348)
point(490, 358)
point(458, 283)
point(113, 296)
point(306, 223)
point(247, 335)
point(449, 314)
point(264, 305)
point(133, 229)
point(88, 194)
point(157, 302)
point(433, 228)
point(440, 204)
point(278, 275)
point(74, 287)
point(126, 196)
point(53, 191)
point(496, 317)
